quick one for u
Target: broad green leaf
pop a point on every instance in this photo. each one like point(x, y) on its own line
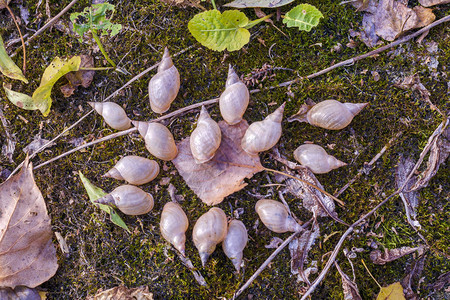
point(95, 193)
point(303, 16)
point(392, 292)
point(222, 31)
point(258, 3)
point(21, 100)
point(7, 66)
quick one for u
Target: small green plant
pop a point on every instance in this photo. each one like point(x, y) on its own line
point(95, 20)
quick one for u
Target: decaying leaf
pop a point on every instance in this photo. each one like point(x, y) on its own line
point(7, 66)
point(442, 282)
point(224, 174)
point(258, 3)
point(95, 193)
point(428, 3)
point(350, 288)
point(27, 254)
point(36, 144)
point(410, 199)
point(80, 77)
point(299, 249)
point(414, 273)
point(380, 258)
point(123, 293)
point(391, 292)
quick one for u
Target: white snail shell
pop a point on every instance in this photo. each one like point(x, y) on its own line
point(173, 225)
point(235, 242)
point(129, 199)
point(209, 230)
point(234, 100)
point(275, 216)
point(134, 169)
point(158, 139)
point(263, 135)
point(164, 86)
point(332, 114)
point(113, 114)
point(205, 139)
point(317, 159)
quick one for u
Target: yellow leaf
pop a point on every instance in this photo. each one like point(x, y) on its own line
point(392, 292)
point(8, 67)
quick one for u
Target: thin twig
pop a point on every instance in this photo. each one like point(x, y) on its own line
point(24, 67)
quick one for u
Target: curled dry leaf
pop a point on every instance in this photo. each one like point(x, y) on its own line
point(391, 292)
point(380, 258)
point(428, 3)
point(36, 144)
point(410, 199)
point(123, 293)
point(224, 174)
point(27, 254)
point(80, 77)
point(299, 248)
point(350, 288)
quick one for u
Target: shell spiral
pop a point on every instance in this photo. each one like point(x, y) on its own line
point(317, 159)
point(275, 216)
point(159, 140)
point(234, 100)
point(164, 86)
point(113, 114)
point(129, 199)
point(206, 138)
point(263, 135)
point(332, 114)
point(134, 169)
point(173, 225)
point(235, 242)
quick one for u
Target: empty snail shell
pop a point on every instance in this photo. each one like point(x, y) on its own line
point(205, 139)
point(164, 86)
point(134, 169)
point(234, 100)
point(263, 135)
point(209, 230)
point(235, 242)
point(158, 139)
point(173, 225)
point(129, 199)
point(328, 114)
point(113, 114)
point(275, 216)
point(317, 159)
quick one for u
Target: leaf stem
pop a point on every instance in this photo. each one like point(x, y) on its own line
point(257, 21)
point(214, 4)
point(97, 69)
point(100, 46)
point(24, 67)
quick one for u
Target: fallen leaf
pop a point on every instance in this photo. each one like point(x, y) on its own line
point(380, 258)
point(442, 282)
point(414, 273)
point(299, 249)
point(95, 193)
point(123, 293)
point(80, 77)
point(36, 144)
point(350, 288)
point(10, 145)
point(225, 173)
point(182, 3)
point(428, 3)
point(257, 3)
point(27, 254)
point(391, 292)
point(7, 66)
point(410, 199)
point(274, 243)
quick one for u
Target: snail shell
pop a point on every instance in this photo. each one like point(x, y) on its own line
point(275, 216)
point(173, 225)
point(158, 139)
point(134, 169)
point(263, 135)
point(209, 230)
point(129, 199)
point(317, 159)
point(205, 139)
point(113, 114)
point(235, 242)
point(164, 86)
point(234, 100)
point(332, 114)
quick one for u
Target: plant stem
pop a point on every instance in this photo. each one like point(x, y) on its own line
point(97, 69)
point(24, 67)
point(100, 46)
point(367, 269)
point(214, 4)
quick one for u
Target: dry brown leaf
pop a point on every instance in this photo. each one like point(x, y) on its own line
point(380, 258)
point(225, 173)
point(299, 248)
point(428, 3)
point(82, 77)
point(350, 288)
point(27, 254)
point(410, 199)
point(123, 293)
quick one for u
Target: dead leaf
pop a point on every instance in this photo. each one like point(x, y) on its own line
point(410, 199)
point(350, 288)
point(414, 273)
point(10, 145)
point(36, 144)
point(182, 3)
point(442, 282)
point(380, 258)
point(81, 77)
point(274, 243)
point(299, 249)
point(27, 254)
point(225, 173)
point(391, 292)
point(7, 65)
point(428, 3)
point(123, 293)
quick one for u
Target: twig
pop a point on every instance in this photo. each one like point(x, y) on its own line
point(47, 25)
point(352, 227)
point(187, 262)
point(24, 67)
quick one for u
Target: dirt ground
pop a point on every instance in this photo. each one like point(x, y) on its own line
point(103, 255)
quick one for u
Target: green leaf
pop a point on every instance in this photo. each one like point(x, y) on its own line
point(95, 193)
point(258, 3)
point(218, 31)
point(21, 100)
point(392, 292)
point(7, 66)
point(303, 16)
